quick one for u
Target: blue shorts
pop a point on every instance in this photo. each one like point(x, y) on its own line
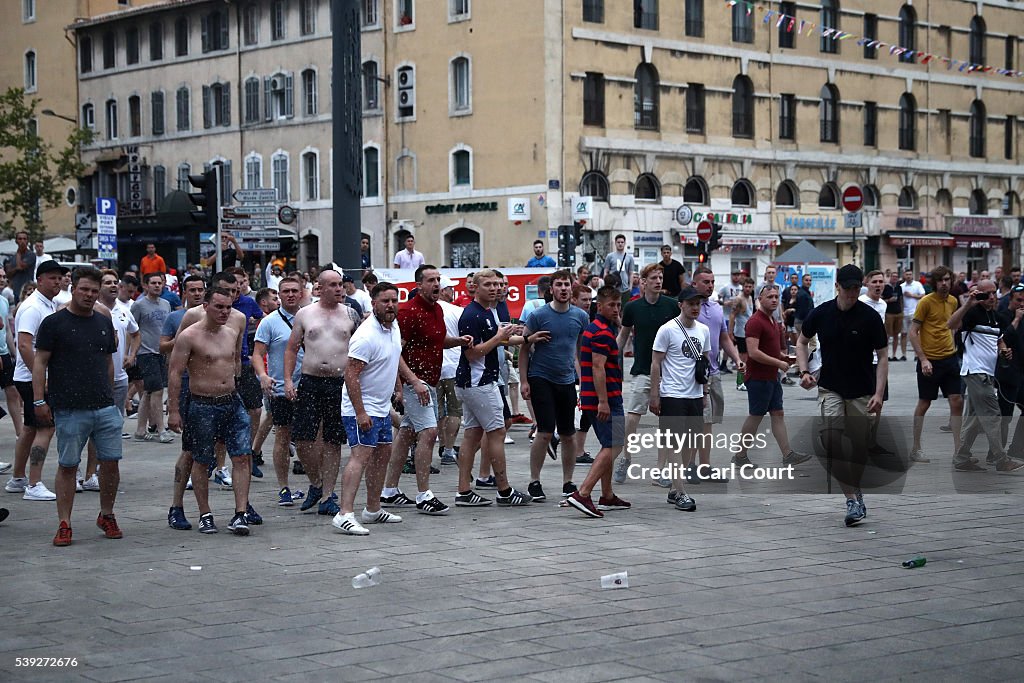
point(763, 396)
point(221, 418)
point(611, 432)
point(378, 434)
point(75, 427)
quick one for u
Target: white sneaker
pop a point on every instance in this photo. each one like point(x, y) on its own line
point(508, 439)
point(380, 517)
point(38, 491)
point(16, 485)
point(148, 436)
point(166, 436)
point(223, 478)
point(347, 524)
point(78, 481)
point(5, 467)
point(92, 483)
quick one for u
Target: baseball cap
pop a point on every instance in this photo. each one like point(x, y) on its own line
point(51, 265)
point(850, 276)
point(447, 282)
point(347, 278)
point(690, 293)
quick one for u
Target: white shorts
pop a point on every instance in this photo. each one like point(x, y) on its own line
point(419, 417)
point(481, 407)
point(639, 395)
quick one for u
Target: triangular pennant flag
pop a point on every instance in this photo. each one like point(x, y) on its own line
point(792, 22)
point(768, 15)
point(782, 19)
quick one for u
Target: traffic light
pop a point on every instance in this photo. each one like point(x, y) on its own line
point(716, 237)
point(702, 252)
point(207, 199)
point(566, 246)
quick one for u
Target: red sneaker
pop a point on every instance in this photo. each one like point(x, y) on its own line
point(583, 504)
point(521, 419)
point(63, 536)
point(109, 526)
point(614, 503)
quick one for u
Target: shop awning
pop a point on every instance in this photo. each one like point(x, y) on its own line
point(921, 239)
point(977, 242)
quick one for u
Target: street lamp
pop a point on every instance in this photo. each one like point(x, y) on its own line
point(50, 112)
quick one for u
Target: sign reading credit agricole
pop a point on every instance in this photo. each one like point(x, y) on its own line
point(462, 208)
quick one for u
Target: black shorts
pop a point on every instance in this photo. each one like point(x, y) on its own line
point(282, 410)
point(7, 371)
point(249, 388)
point(25, 391)
point(554, 405)
point(741, 344)
point(945, 376)
point(319, 401)
point(586, 419)
point(682, 415)
point(154, 371)
point(134, 373)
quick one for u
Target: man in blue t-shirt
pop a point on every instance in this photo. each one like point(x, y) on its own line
point(271, 341)
point(248, 385)
point(476, 386)
point(540, 260)
point(550, 371)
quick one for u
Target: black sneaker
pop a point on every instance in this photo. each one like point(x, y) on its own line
point(471, 500)
point(434, 470)
point(568, 488)
point(238, 525)
point(206, 525)
point(396, 501)
point(691, 475)
point(536, 491)
point(432, 506)
point(969, 467)
point(488, 483)
point(409, 467)
point(514, 499)
point(553, 447)
point(673, 496)
point(585, 459)
point(251, 516)
point(297, 467)
point(741, 460)
point(685, 503)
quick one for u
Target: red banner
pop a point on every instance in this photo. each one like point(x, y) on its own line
point(521, 283)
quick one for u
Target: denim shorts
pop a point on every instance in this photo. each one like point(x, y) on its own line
point(75, 427)
point(763, 396)
point(154, 371)
point(378, 434)
point(611, 432)
point(417, 416)
point(220, 418)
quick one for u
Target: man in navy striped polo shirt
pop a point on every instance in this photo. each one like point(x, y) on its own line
point(601, 394)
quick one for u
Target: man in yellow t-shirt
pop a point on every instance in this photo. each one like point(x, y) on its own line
point(938, 366)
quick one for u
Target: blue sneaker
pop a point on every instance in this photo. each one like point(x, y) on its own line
point(251, 516)
point(222, 479)
point(284, 498)
point(854, 512)
point(312, 498)
point(329, 506)
point(176, 519)
point(256, 471)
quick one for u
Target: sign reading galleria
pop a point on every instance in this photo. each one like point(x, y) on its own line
point(461, 208)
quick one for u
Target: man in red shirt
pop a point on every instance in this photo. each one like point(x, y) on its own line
point(466, 298)
point(766, 356)
point(152, 262)
point(424, 337)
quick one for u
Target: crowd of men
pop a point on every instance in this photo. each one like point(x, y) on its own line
point(332, 365)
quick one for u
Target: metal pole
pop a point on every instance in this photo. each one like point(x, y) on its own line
point(218, 169)
point(347, 123)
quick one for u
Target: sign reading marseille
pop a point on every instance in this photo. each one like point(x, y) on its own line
point(106, 228)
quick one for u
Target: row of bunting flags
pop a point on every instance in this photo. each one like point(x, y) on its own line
point(801, 27)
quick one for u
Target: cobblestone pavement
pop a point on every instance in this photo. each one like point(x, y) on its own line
point(750, 586)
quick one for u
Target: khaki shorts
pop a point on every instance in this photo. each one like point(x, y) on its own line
point(448, 404)
point(639, 395)
point(714, 407)
point(893, 324)
point(833, 405)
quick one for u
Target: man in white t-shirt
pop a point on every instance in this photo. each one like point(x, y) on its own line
point(374, 363)
point(449, 407)
point(675, 391)
point(41, 256)
point(875, 282)
point(35, 437)
point(358, 295)
point(409, 257)
point(913, 292)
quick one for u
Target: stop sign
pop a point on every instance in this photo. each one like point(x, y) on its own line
point(704, 231)
point(853, 198)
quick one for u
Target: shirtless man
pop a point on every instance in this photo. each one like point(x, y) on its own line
point(322, 330)
point(209, 351)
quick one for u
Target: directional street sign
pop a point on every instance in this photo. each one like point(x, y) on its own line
point(249, 210)
point(255, 194)
point(256, 234)
point(262, 246)
point(257, 222)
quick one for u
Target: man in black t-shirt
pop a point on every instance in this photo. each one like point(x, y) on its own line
point(848, 387)
point(75, 346)
point(674, 273)
point(892, 295)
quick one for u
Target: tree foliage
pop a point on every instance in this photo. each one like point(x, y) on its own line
point(33, 172)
